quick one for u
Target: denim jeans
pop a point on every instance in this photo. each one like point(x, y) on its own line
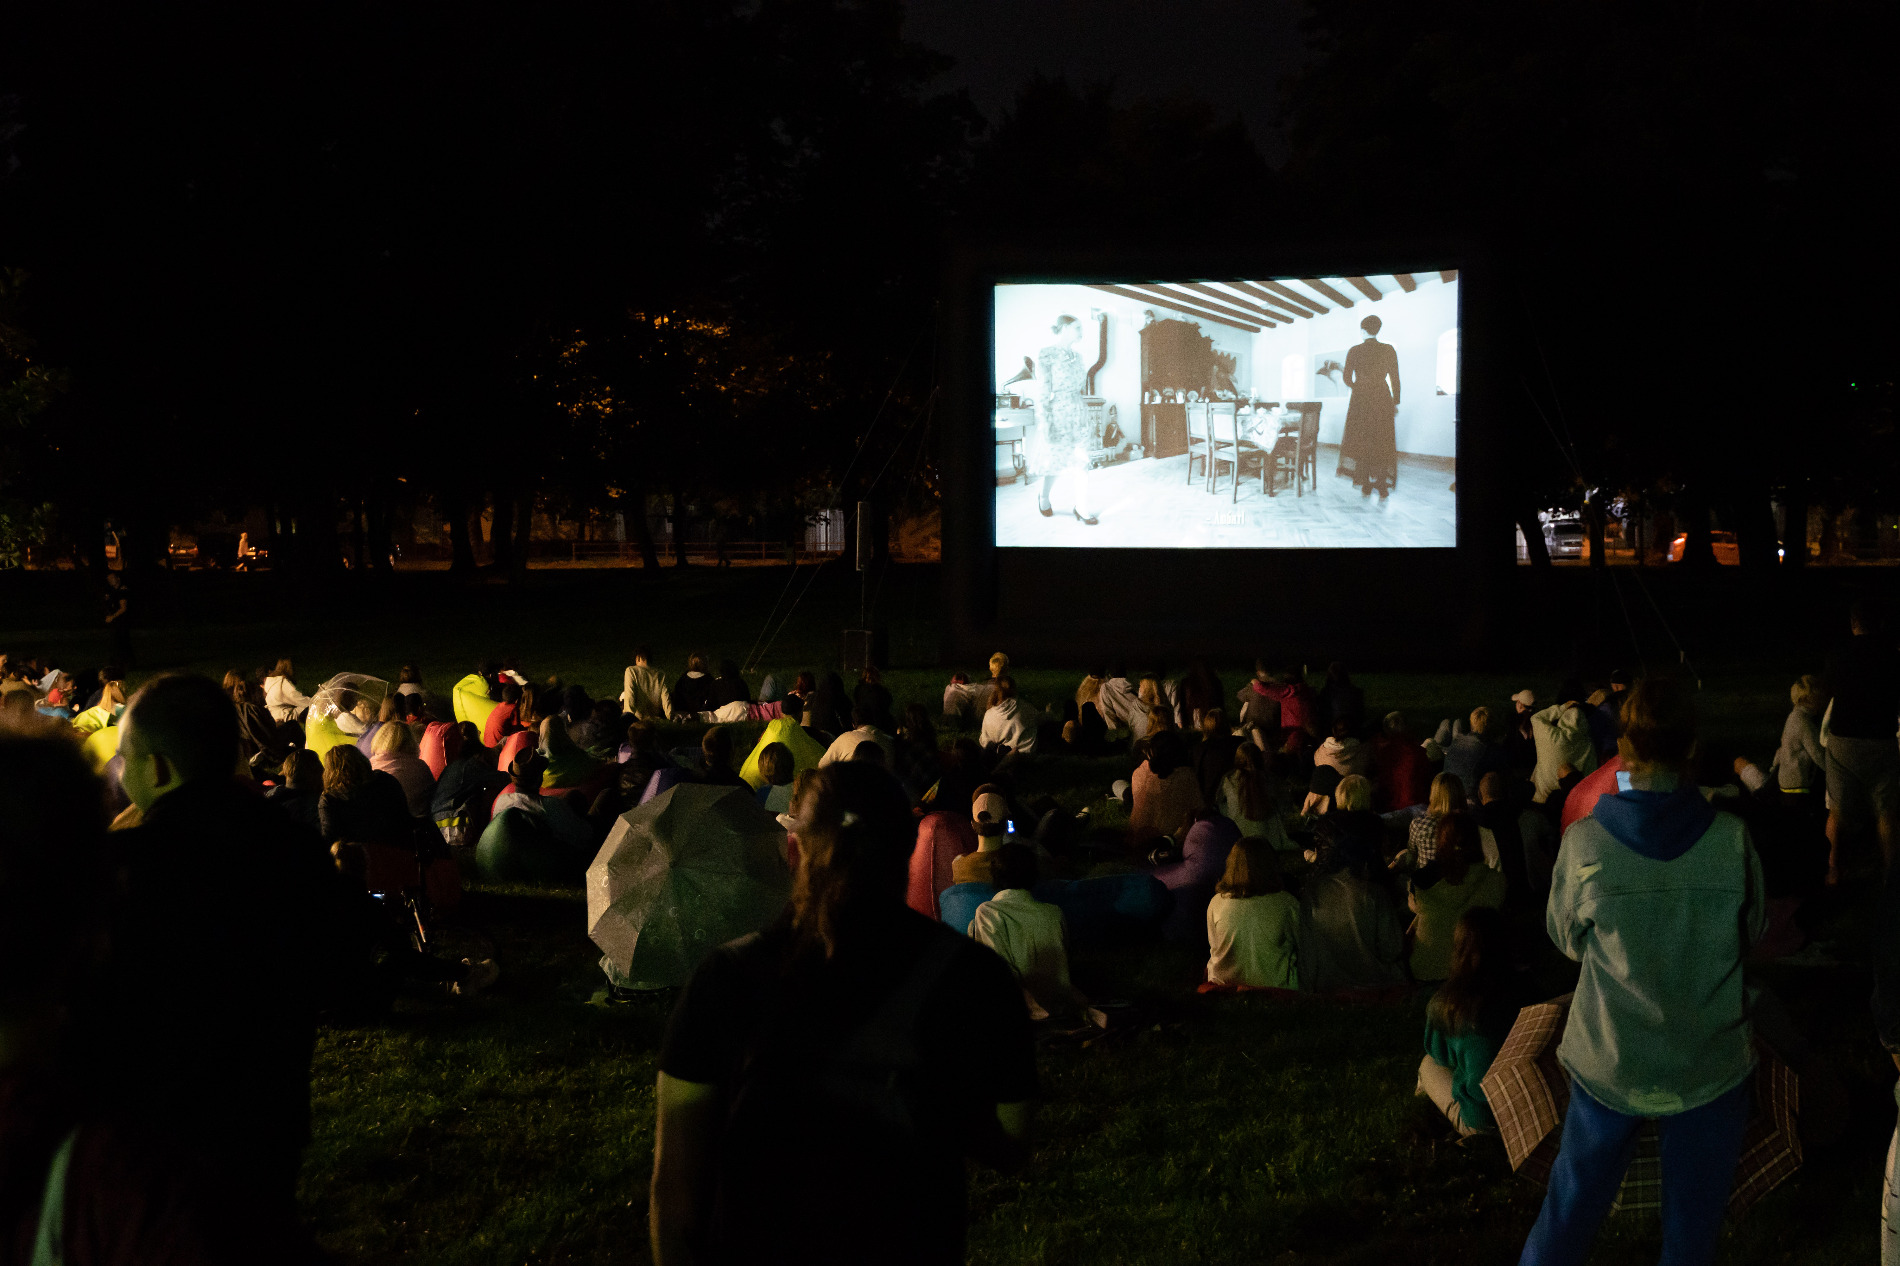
point(1699, 1151)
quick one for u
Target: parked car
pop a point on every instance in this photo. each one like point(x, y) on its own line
point(1565, 538)
point(1727, 552)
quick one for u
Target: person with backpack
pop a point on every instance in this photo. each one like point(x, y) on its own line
point(822, 1081)
point(1658, 896)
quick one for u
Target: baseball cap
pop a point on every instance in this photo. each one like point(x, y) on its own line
point(1525, 697)
point(990, 812)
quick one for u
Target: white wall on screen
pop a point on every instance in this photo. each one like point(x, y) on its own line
point(1412, 323)
point(1024, 314)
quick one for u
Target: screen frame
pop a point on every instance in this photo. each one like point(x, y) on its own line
point(1160, 595)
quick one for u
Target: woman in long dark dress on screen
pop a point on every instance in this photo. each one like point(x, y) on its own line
point(1369, 449)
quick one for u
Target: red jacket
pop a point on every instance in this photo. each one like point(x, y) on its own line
point(1401, 776)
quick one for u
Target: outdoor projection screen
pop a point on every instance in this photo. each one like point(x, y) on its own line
point(1290, 413)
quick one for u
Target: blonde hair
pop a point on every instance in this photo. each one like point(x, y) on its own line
point(1448, 796)
point(999, 664)
point(393, 739)
point(1480, 719)
point(1809, 693)
point(1149, 692)
point(1354, 792)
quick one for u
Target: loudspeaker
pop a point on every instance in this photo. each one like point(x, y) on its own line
point(864, 648)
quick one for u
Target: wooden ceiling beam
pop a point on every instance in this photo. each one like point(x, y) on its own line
point(1269, 318)
point(1365, 288)
point(1178, 303)
point(1319, 287)
point(1256, 300)
point(1405, 282)
point(1198, 304)
point(1294, 295)
point(1269, 297)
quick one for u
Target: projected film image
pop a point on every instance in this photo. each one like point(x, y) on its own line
point(1298, 413)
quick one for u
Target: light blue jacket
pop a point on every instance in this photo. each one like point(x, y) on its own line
point(1659, 897)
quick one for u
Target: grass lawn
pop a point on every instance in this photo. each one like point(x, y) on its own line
point(518, 1127)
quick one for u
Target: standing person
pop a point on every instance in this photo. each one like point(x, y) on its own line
point(643, 689)
point(240, 906)
point(1659, 897)
point(123, 1197)
point(1065, 438)
point(117, 605)
point(1800, 762)
point(1863, 762)
point(822, 1081)
point(1369, 449)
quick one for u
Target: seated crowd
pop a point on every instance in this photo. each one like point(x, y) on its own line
point(1293, 840)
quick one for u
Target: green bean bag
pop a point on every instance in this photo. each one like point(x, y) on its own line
point(806, 750)
point(471, 700)
point(520, 846)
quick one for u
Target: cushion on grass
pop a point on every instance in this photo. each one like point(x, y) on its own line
point(519, 846)
point(806, 750)
point(441, 743)
point(101, 746)
point(470, 697)
point(957, 904)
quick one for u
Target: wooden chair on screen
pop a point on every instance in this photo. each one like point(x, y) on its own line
point(1198, 442)
point(1307, 466)
point(1223, 442)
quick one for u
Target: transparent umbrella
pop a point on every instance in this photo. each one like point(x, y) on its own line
point(342, 709)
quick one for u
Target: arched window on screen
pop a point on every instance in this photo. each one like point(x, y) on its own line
point(1448, 363)
point(1293, 377)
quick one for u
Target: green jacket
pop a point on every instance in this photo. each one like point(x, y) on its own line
point(1659, 898)
point(1469, 1055)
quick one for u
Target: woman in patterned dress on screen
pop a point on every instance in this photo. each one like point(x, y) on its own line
point(1369, 450)
point(1063, 448)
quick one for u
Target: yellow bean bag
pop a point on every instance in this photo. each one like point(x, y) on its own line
point(101, 746)
point(320, 734)
point(471, 700)
point(92, 720)
point(806, 750)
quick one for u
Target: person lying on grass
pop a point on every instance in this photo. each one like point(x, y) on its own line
point(822, 1081)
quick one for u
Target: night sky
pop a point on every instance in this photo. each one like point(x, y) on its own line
point(1232, 54)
